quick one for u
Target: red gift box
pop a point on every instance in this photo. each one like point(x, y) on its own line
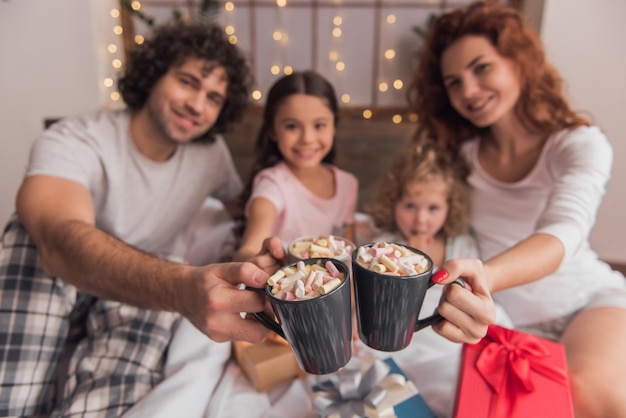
point(512, 374)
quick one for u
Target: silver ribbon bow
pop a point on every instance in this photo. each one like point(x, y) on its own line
point(347, 392)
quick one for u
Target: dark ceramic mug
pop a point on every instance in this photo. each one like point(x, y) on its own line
point(319, 330)
point(388, 306)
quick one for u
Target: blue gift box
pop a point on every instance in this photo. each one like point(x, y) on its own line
point(384, 392)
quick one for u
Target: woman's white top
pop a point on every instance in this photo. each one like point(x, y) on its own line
point(560, 197)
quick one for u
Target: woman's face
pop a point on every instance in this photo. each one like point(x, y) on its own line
point(482, 85)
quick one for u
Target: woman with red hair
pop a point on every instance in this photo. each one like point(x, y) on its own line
point(536, 172)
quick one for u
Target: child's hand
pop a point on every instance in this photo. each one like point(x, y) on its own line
point(271, 257)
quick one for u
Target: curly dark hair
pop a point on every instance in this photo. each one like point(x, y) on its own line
point(267, 152)
point(542, 108)
point(170, 45)
point(422, 162)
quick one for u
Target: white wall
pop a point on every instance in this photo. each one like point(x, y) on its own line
point(52, 60)
point(585, 41)
point(48, 68)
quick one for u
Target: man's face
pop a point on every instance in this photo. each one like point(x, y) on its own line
point(186, 101)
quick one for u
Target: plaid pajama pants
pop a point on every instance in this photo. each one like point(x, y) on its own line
point(64, 353)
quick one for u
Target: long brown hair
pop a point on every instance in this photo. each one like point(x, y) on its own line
point(267, 155)
point(542, 108)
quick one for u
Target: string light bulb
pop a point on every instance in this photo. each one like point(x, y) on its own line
point(340, 66)
point(383, 86)
point(345, 98)
point(397, 84)
point(229, 6)
point(367, 114)
point(256, 95)
point(139, 39)
point(396, 119)
point(390, 54)
point(135, 5)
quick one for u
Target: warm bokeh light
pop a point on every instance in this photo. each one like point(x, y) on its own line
point(337, 20)
point(383, 86)
point(116, 63)
point(340, 66)
point(139, 39)
point(233, 39)
point(390, 54)
point(345, 98)
point(135, 5)
point(115, 96)
point(391, 19)
point(333, 55)
point(397, 84)
point(230, 29)
point(229, 6)
point(256, 95)
point(367, 114)
point(277, 35)
point(117, 30)
point(288, 69)
point(115, 13)
point(396, 119)
point(281, 3)
point(275, 69)
point(112, 48)
point(108, 82)
point(337, 32)
point(413, 117)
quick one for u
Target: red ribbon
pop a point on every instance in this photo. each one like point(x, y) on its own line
point(507, 362)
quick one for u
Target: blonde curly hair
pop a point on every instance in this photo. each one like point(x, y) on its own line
point(422, 162)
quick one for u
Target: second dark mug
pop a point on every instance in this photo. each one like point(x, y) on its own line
point(318, 330)
point(388, 306)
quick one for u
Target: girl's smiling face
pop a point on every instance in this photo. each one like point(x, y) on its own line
point(482, 85)
point(304, 130)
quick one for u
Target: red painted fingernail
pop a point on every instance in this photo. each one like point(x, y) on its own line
point(439, 276)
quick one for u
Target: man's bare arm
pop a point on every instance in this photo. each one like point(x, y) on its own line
point(58, 214)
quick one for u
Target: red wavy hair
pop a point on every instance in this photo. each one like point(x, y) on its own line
point(542, 108)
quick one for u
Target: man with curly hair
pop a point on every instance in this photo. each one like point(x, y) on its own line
point(84, 274)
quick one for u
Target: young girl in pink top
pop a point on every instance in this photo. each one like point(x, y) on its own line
point(294, 189)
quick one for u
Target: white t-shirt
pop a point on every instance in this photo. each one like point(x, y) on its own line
point(142, 202)
point(560, 197)
point(299, 211)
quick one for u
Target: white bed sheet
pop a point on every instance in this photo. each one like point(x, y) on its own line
point(203, 381)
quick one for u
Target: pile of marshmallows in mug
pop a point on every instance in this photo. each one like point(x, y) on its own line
point(306, 281)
